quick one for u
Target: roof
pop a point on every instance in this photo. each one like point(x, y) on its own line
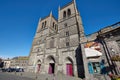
point(47, 17)
point(67, 4)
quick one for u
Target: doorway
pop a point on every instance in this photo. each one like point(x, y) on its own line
point(51, 68)
point(38, 67)
point(69, 69)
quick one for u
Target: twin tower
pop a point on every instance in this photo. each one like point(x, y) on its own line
point(56, 45)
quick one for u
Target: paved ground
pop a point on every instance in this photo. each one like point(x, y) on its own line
point(6, 76)
point(33, 76)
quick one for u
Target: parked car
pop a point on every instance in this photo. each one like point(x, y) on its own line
point(10, 70)
point(19, 70)
point(4, 70)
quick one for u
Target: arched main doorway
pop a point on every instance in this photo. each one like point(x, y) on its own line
point(69, 66)
point(51, 62)
point(38, 65)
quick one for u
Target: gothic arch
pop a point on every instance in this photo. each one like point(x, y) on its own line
point(50, 58)
point(51, 64)
point(69, 12)
point(68, 60)
point(64, 14)
point(69, 66)
point(38, 61)
point(38, 65)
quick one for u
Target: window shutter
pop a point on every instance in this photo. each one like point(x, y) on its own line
point(90, 68)
point(103, 70)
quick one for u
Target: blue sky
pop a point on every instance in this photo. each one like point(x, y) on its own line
point(19, 20)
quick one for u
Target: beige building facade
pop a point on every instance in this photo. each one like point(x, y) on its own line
point(19, 62)
point(7, 63)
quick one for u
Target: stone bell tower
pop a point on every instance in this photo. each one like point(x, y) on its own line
point(70, 31)
point(46, 27)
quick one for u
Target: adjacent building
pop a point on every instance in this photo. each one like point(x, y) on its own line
point(19, 62)
point(99, 48)
point(7, 63)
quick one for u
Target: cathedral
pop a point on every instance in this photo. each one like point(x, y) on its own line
point(60, 46)
point(56, 42)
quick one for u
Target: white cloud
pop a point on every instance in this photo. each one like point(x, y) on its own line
point(5, 56)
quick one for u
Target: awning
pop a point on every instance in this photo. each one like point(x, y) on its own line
point(89, 52)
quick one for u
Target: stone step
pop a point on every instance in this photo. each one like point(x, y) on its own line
point(45, 76)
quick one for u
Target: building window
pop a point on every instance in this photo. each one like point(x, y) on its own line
point(67, 33)
point(69, 12)
point(38, 50)
point(56, 27)
point(64, 14)
point(94, 67)
point(45, 23)
point(67, 44)
point(53, 24)
point(65, 25)
point(42, 25)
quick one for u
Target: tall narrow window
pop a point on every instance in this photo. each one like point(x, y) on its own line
point(45, 24)
point(65, 25)
point(38, 50)
point(53, 24)
point(42, 25)
point(64, 14)
point(69, 12)
point(67, 44)
point(67, 33)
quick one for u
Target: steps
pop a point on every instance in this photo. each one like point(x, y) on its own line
point(45, 76)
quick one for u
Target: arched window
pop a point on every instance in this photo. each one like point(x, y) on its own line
point(45, 24)
point(53, 24)
point(65, 25)
point(69, 12)
point(67, 33)
point(64, 14)
point(42, 25)
point(67, 44)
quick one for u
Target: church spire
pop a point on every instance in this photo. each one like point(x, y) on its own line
point(75, 6)
point(51, 13)
point(74, 2)
point(59, 11)
point(39, 19)
point(59, 8)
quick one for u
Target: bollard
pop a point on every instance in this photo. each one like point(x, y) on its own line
point(36, 77)
point(21, 74)
point(15, 73)
point(46, 78)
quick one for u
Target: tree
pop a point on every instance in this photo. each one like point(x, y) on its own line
point(0, 60)
point(1, 63)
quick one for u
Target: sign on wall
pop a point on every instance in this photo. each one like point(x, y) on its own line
point(92, 49)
